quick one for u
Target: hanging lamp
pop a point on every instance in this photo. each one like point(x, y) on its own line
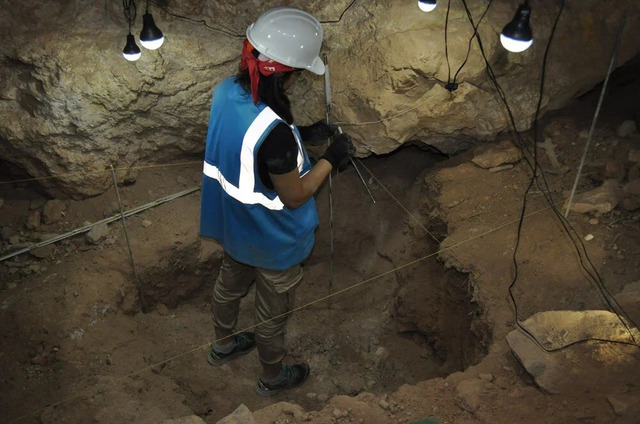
point(517, 35)
point(131, 50)
point(427, 5)
point(151, 37)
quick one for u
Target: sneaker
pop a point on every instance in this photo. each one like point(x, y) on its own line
point(245, 343)
point(291, 376)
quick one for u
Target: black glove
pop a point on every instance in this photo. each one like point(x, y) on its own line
point(315, 133)
point(340, 151)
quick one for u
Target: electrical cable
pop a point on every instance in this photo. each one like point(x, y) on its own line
point(597, 279)
point(341, 15)
point(475, 33)
point(130, 12)
point(197, 21)
point(568, 228)
point(520, 221)
point(388, 118)
point(85, 394)
point(155, 365)
point(581, 250)
point(224, 30)
point(451, 84)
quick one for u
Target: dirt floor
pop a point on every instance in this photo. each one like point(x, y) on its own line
point(412, 324)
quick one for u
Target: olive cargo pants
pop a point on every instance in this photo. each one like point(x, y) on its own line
point(273, 302)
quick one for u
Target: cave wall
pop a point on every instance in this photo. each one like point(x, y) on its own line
point(71, 105)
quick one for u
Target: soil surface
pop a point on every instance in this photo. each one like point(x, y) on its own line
point(75, 325)
point(406, 320)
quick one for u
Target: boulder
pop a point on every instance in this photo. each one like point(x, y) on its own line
point(6, 232)
point(468, 394)
point(632, 188)
point(53, 211)
point(579, 366)
point(614, 170)
point(242, 415)
point(494, 155)
point(72, 105)
point(627, 129)
point(629, 300)
point(631, 195)
point(97, 233)
point(601, 199)
point(43, 252)
point(33, 220)
point(630, 203)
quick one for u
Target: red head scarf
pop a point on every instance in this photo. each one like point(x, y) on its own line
point(256, 66)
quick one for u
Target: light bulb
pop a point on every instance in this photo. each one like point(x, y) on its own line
point(516, 35)
point(152, 45)
point(515, 46)
point(131, 50)
point(151, 37)
point(427, 5)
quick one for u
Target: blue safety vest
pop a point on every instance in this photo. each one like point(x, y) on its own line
point(248, 219)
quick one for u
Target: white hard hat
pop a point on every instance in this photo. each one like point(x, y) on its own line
point(289, 36)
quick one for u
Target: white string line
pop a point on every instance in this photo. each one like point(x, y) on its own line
point(471, 271)
point(388, 118)
point(86, 394)
point(98, 171)
point(119, 169)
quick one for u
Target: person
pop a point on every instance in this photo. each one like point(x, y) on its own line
point(258, 187)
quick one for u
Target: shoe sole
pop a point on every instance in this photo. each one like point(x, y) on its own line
point(217, 362)
point(270, 392)
point(276, 391)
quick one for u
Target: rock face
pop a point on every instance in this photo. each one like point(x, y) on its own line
point(72, 106)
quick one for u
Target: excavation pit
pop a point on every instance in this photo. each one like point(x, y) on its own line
point(391, 314)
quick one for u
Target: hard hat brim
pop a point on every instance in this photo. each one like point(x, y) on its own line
point(317, 67)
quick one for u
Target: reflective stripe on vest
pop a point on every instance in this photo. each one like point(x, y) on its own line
point(246, 184)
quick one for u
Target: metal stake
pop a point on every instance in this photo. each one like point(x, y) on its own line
point(595, 116)
point(327, 97)
point(126, 234)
